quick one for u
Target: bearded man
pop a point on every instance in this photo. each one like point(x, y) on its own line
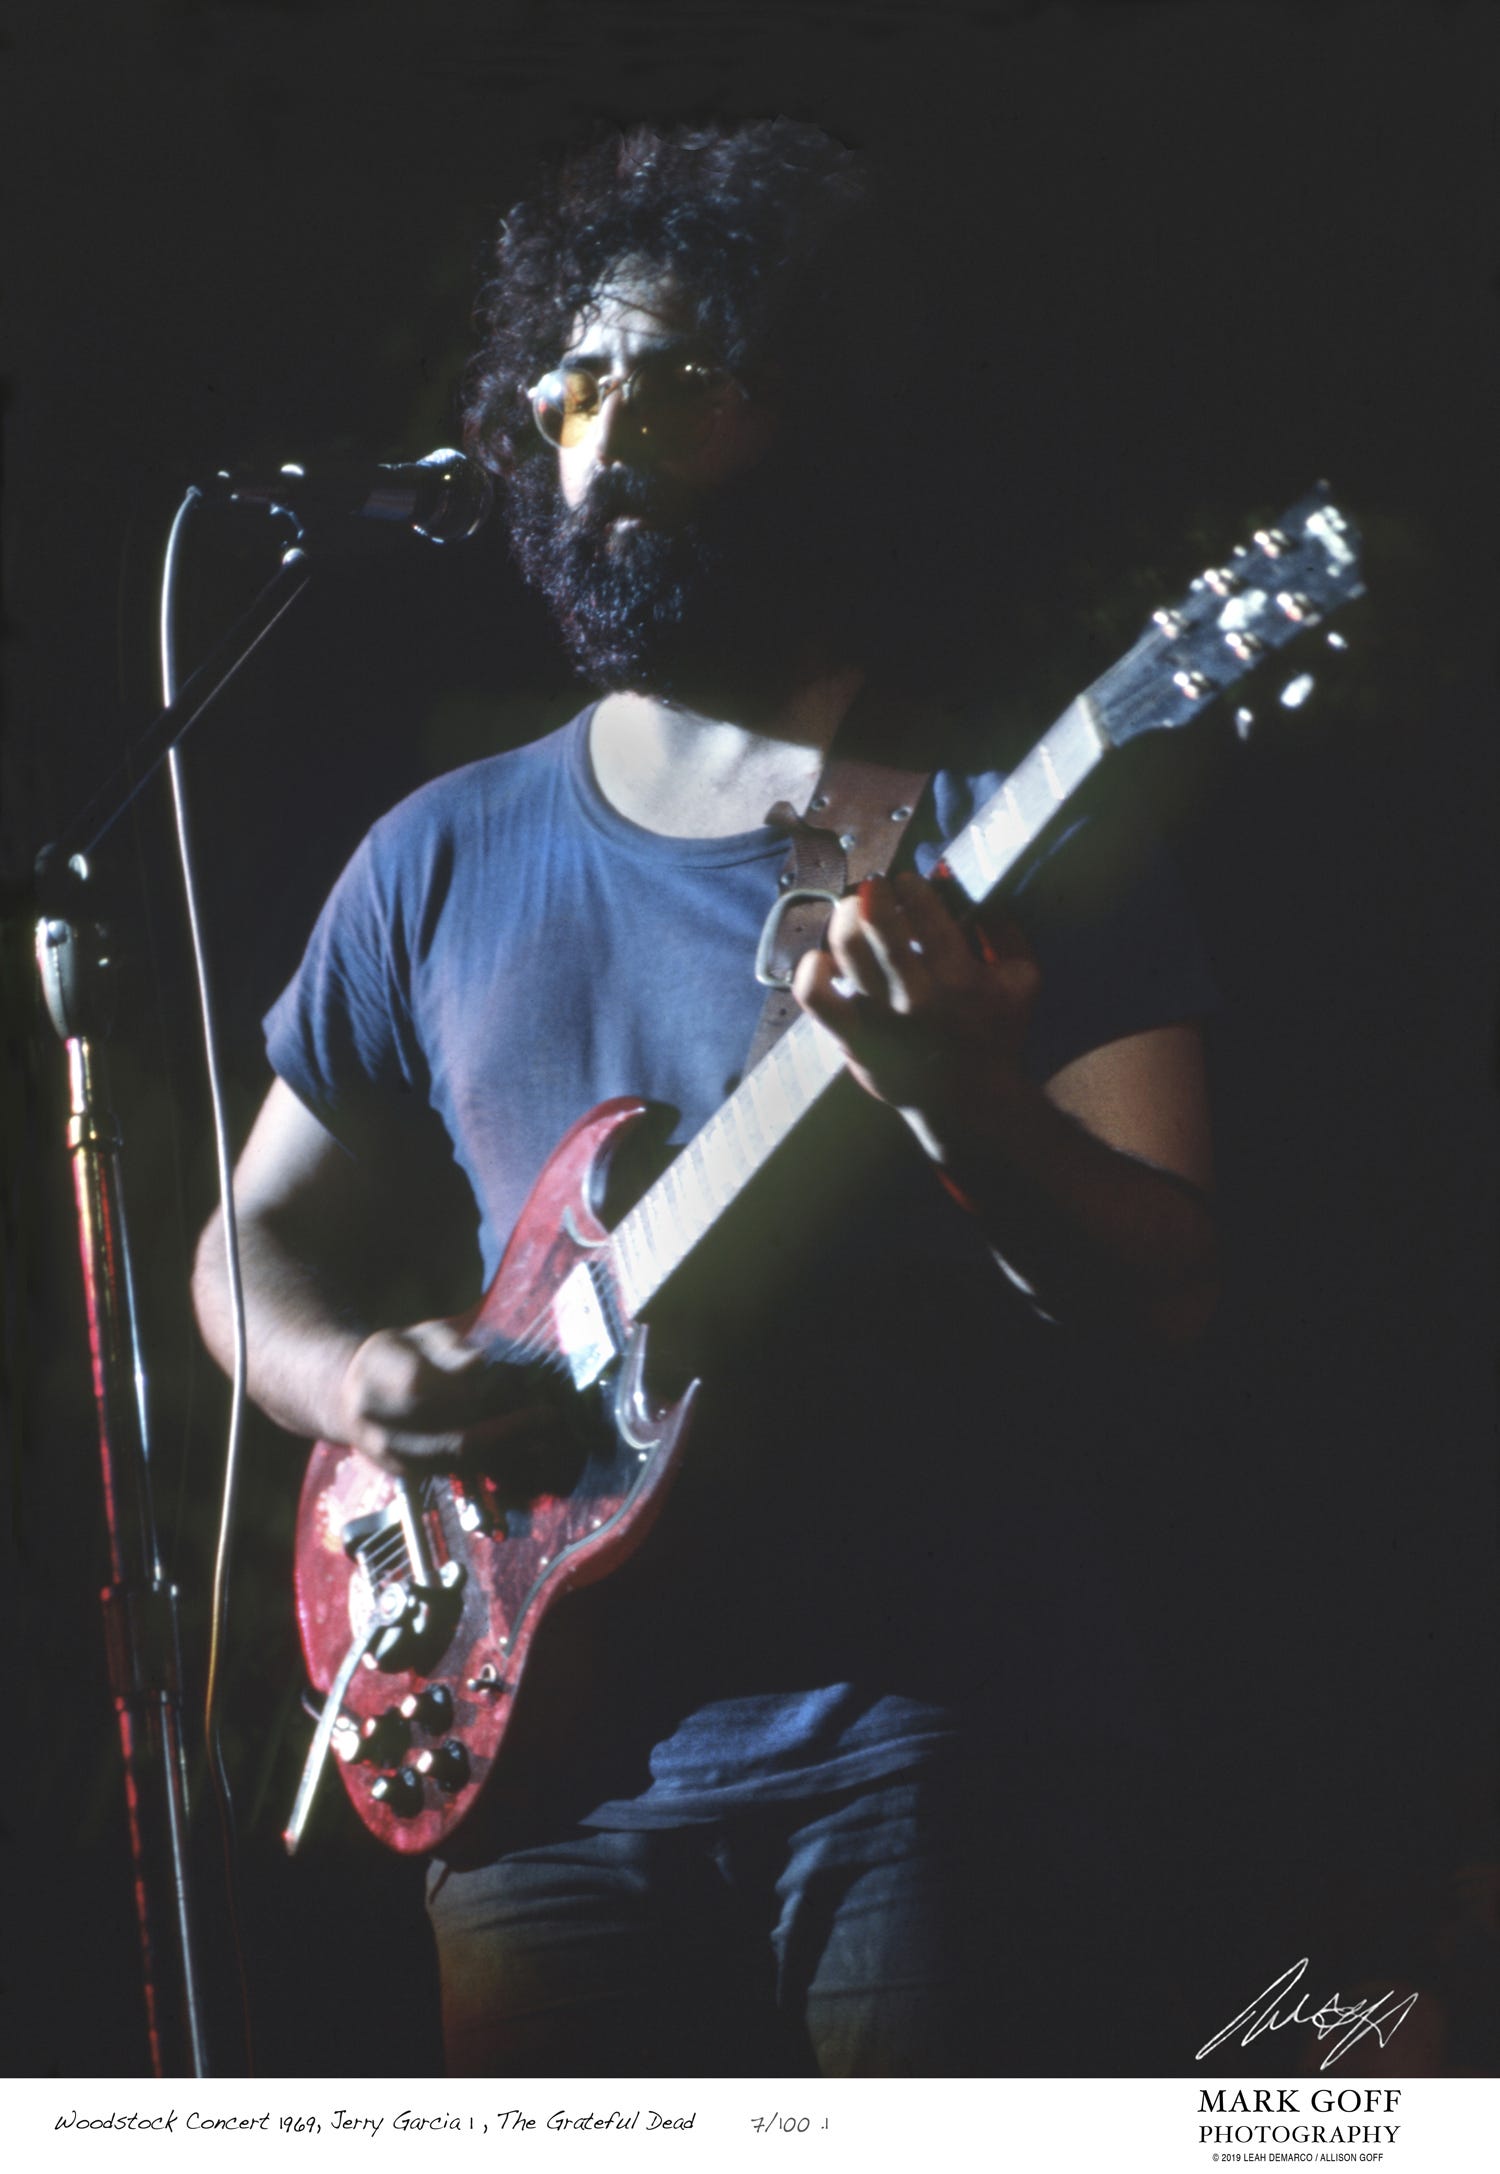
point(816, 1805)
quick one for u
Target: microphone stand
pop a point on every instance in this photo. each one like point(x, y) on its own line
point(139, 1603)
point(162, 731)
point(140, 1606)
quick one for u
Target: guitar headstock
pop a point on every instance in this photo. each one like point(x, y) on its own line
point(1287, 578)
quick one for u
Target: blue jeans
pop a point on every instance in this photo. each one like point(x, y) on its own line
point(929, 1925)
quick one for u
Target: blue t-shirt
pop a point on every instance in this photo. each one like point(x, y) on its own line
point(875, 1512)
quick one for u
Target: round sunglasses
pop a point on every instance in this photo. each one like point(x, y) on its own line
point(673, 398)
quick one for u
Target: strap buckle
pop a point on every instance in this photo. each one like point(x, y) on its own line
point(768, 975)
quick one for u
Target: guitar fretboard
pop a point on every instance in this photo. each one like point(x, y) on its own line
point(654, 1240)
point(1011, 821)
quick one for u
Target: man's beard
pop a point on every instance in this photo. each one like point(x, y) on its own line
point(713, 603)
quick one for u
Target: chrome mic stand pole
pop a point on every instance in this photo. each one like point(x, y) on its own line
point(140, 1606)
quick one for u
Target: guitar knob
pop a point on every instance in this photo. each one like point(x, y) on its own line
point(448, 1764)
point(399, 1791)
point(431, 1708)
point(383, 1737)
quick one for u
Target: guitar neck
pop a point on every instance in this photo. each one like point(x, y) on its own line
point(668, 1223)
point(670, 1220)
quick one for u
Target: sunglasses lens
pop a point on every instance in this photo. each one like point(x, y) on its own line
point(687, 397)
point(564, 403)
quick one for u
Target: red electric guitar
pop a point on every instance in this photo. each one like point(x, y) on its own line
point(419, 1602)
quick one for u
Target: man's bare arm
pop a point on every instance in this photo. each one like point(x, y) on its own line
point(320, 1363)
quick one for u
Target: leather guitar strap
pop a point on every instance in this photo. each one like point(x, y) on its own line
point(862, 808)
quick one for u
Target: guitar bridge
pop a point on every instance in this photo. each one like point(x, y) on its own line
point(415, 1597)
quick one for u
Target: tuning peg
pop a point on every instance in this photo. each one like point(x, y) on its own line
point(1335, 640)
point(1243, 720)
point(1296, 691)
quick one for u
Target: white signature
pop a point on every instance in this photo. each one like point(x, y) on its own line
point(1354, 2019)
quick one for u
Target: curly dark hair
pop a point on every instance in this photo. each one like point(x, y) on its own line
point(742, 215)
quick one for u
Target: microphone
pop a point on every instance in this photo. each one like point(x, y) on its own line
point(444, 496)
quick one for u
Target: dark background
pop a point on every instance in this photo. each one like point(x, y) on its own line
point(1189, 258)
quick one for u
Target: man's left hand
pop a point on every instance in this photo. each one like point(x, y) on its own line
point(930, 1021)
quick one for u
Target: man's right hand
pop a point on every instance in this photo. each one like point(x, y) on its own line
point(311, 1226)
point(426, 1398)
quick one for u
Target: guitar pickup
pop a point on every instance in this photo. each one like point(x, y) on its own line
point(587, 1344)
point(415, 1598)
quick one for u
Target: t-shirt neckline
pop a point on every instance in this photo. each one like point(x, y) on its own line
point(746, 845)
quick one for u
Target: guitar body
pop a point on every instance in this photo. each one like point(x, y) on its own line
point(425, 1713)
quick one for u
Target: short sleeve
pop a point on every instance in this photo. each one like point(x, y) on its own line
point(1108, 916)
point(341, 1033)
